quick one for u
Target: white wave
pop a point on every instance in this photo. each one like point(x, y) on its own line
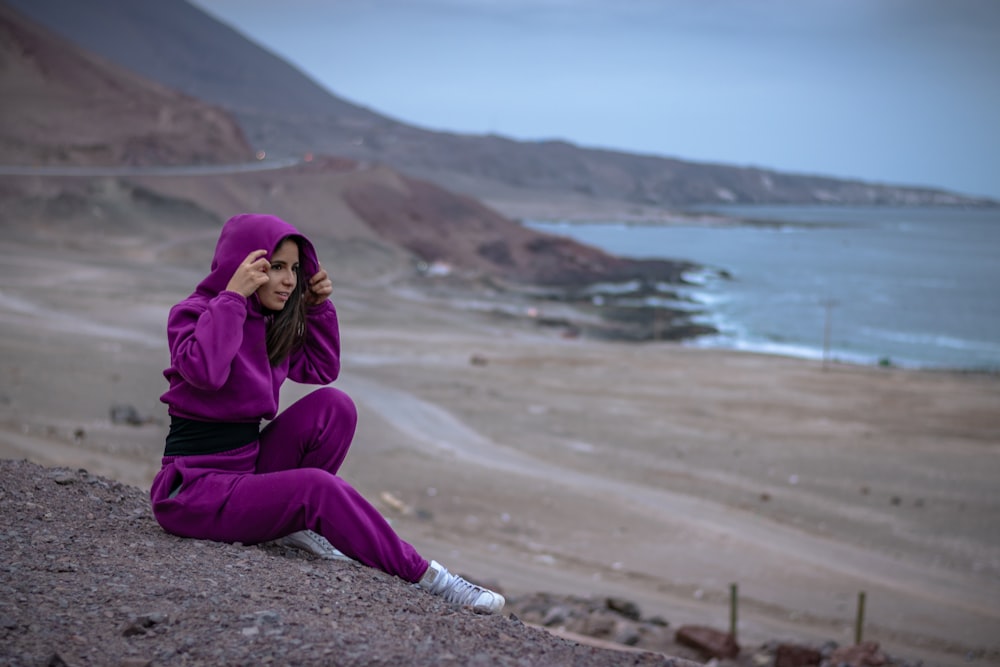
point(786, 349)
point(613, 288)
point(936, 340)
point(705, 297)
point(702, 276)
point(659, 302)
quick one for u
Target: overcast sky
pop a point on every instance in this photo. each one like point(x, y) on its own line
point(896, 91)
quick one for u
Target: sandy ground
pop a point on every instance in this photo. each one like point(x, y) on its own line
point(656, 472)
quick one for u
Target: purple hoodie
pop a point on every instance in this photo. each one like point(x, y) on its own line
point(219, 370)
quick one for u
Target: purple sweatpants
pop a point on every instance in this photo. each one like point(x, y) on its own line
point(285, 482)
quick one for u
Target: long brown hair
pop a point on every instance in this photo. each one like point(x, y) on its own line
point(287, 328)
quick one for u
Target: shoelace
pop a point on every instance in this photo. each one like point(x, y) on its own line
point(461, 591)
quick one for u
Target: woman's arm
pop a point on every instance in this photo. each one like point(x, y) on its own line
point(204, 341)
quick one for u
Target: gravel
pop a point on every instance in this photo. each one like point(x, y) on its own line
point(87, 577)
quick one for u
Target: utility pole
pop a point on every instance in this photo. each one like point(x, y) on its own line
point(828, 304)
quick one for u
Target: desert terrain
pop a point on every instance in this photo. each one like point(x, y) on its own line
point(655, 472)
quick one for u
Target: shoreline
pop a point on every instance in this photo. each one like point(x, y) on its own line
point(877, 363)
point(775, 273)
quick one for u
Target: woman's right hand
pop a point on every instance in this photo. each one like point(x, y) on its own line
point(250, 274)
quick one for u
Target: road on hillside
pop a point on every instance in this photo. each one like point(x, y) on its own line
point(182, 170)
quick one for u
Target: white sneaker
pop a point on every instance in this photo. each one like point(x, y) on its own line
point(453, 588)
point(314, 543)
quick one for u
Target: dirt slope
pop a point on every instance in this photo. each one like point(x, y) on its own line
point(89, 578)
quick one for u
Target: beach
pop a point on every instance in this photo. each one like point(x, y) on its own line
point(655, 472)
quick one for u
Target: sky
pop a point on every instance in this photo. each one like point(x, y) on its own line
point(889, 91)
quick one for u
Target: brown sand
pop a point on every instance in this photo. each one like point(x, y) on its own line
point(654, 472)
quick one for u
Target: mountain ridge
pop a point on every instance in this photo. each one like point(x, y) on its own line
point(163, 41)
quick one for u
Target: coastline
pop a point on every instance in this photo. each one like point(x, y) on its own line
point(881, 287)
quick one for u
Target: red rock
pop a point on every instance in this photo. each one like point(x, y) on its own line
point(793, 655)
point(865, 654)
point(713, 643)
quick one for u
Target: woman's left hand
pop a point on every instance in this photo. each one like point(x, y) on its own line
point(320, 288)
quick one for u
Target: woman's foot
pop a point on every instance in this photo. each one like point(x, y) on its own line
point(453, 588)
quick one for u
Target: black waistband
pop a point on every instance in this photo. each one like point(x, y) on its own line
point(188, 436)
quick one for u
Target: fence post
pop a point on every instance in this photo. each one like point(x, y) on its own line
point(733, 599)
point(860, 620)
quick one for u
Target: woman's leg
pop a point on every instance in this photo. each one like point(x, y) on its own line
point(222, 498)
point(267, 506)
point(314, 432)
point(300, 452)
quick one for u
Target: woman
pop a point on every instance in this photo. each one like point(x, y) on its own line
point(247, 327)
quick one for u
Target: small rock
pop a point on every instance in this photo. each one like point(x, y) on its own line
point(827, 648)
point(64, 478)
point(626, 608)
point(626, 633)
point(793, 655)
point(153, 618)
point(132, 629)
point(270, 617)
point(123, 413)
point(599, 625)
point(555, 616)
point(865, 654)
point(710, 642)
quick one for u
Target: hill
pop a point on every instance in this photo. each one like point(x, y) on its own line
point(284, 112)
point(89, 578)
point(65, 106)
point(373, 222)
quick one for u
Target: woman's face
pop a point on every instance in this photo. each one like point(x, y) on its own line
point(282, 276)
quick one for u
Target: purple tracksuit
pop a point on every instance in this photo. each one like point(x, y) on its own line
point(285, 481)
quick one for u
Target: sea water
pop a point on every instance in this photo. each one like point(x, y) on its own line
point(914, 287)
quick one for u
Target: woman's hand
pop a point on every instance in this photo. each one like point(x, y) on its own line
point(320, 288)
point(250, 275)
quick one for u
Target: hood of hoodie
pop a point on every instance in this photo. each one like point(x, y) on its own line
point(241, 235)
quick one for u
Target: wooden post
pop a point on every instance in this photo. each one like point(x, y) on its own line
point(860, 620)
point(733, 599)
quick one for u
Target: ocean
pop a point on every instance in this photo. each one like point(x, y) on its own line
point(910, 287)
